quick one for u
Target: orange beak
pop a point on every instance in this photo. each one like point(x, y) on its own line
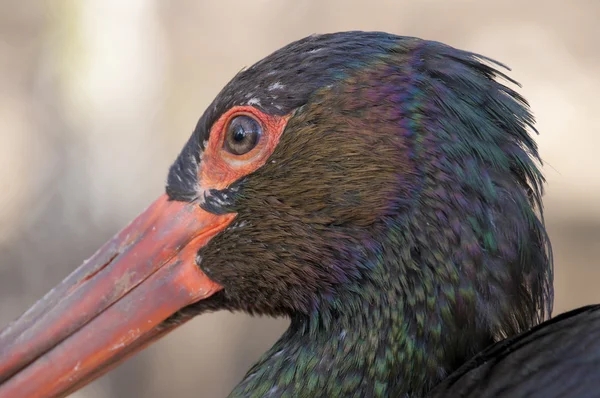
point(113, 305)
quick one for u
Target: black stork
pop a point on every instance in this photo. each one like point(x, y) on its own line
point(382, 192)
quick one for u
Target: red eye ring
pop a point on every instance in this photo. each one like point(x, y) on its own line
point(218, 167)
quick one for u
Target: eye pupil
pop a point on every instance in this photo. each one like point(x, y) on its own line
point(243, 133)
point(239, 134)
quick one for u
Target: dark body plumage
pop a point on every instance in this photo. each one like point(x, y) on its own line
point(395, 223)
point(559, 358)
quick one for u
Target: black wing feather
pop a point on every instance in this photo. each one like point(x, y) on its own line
point(558, 358)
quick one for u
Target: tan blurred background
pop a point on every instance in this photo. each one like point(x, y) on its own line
point(98, 96)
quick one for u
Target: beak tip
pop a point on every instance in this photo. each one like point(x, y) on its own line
point(113, 305)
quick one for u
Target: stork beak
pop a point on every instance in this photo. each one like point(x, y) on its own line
point(113, 305)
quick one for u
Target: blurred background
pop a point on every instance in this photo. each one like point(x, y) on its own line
point(98, 96)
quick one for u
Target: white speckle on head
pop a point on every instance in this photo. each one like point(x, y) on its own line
point(278, 107)
point(278, 353)
point(237, 225)
point(254, 101)
point(273, 72)
point(192, 161)
point(219, 199)
point(343, 334)
point(194, 172)
point(315, 50)
point(272, 391)
point(276, 86)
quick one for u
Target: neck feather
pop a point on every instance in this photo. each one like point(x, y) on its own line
point(374, 341)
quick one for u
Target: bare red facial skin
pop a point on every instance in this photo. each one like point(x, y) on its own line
point(114, 304)
point(220, 168)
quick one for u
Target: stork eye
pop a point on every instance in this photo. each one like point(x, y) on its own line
point(243, 133)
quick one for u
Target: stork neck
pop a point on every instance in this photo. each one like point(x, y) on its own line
point(379, 349)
